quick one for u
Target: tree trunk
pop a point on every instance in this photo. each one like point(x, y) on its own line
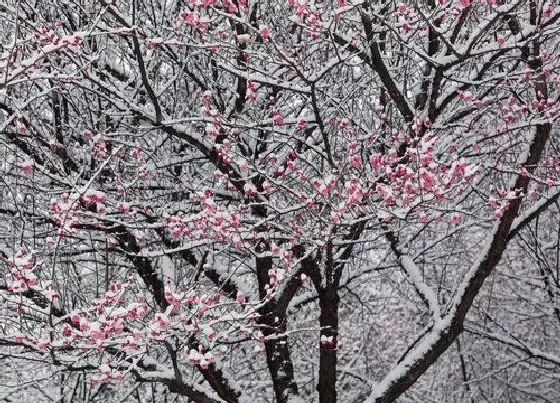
point(274, 321)
point(328, 302)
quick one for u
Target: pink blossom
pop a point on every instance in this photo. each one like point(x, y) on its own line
point(548, 9)
point(206, 97)
point(354, 161)
point(161, 321)
point(264, 32)
point(278, 120)
point(101, 208)
point(250, 190)
point(466, 96)
point(95, 331)
point(212, 130)
point(43, 344)
point(456, 218)
point(402, 8)
point(84, 324)
point(27, 168)
point(75, 318)
point(427, 180)
point(501, 39)
point(240, 298)
point(376, 160)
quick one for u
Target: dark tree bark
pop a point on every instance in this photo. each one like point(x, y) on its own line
point(328, 302)
point(274, 321)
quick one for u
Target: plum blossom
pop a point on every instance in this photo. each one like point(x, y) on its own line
point(264, 32)
point(27, 168)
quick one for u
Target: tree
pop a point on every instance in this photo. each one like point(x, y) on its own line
point(215, 196)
